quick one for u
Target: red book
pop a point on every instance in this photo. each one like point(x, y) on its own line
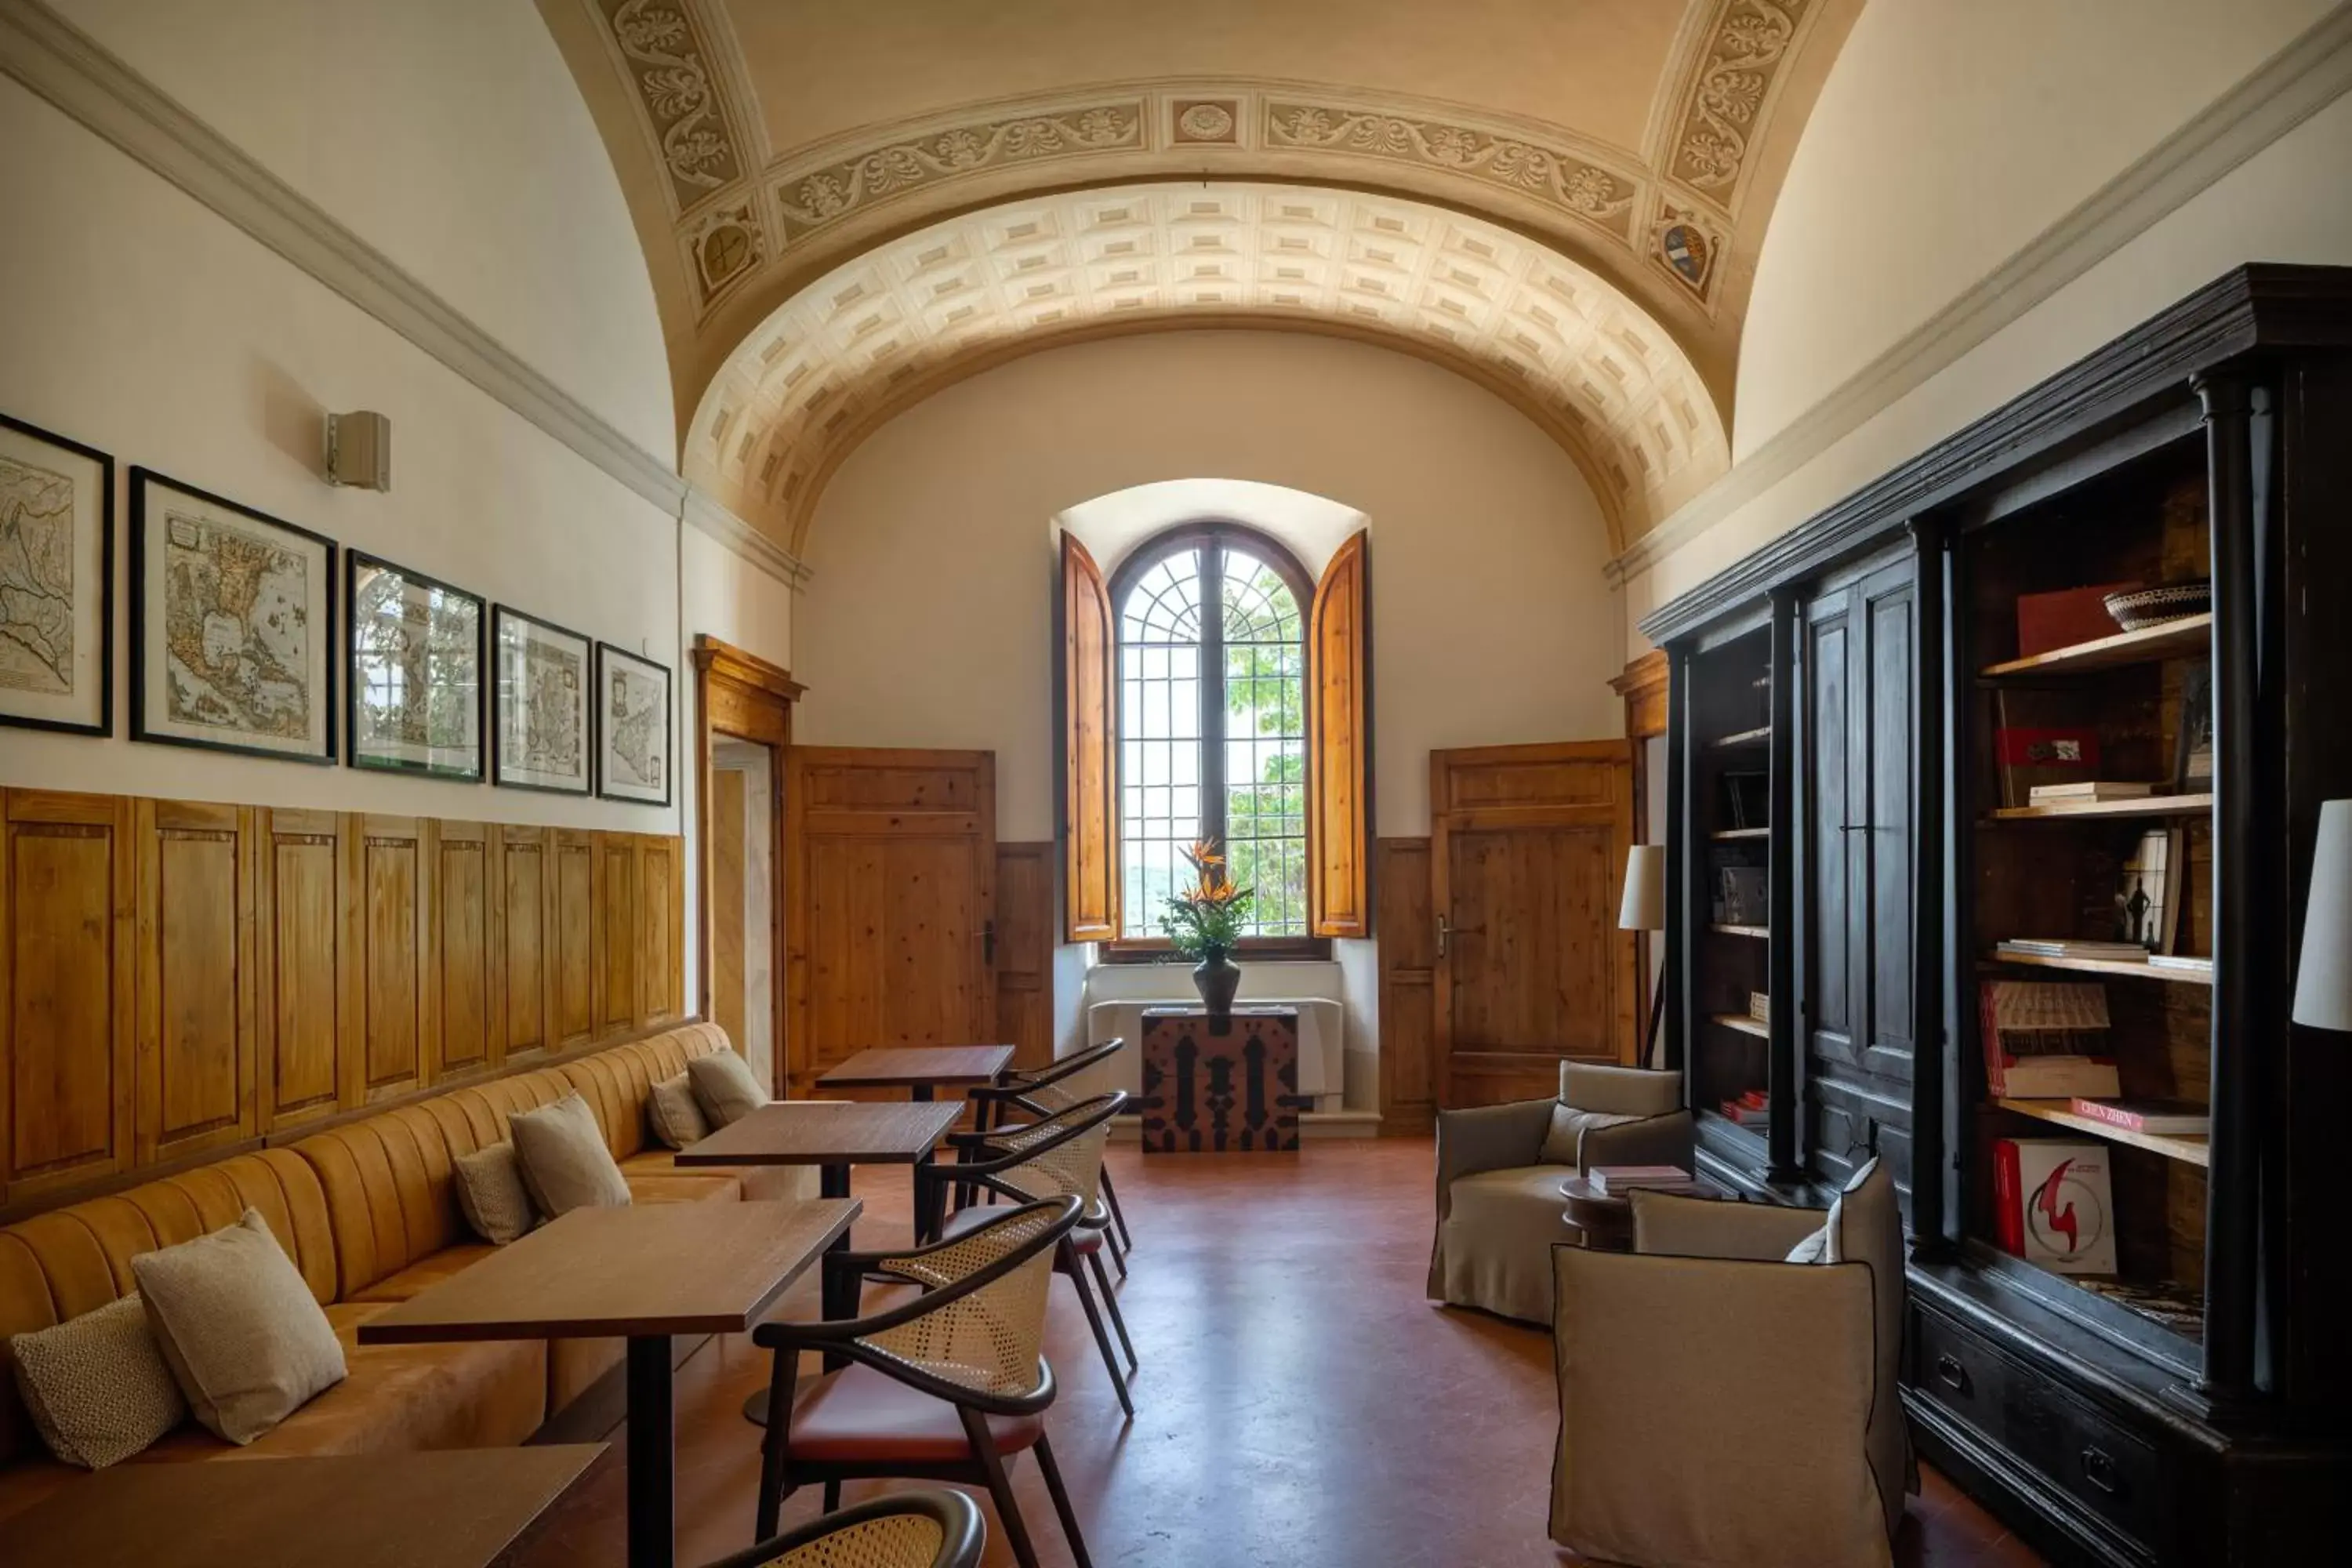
point(2047, 621)
point(2160, 1117)
point(2008, 1212)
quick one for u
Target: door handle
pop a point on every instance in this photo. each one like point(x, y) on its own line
point(1444, 932)
point(988, 943)
point(2099, 1470)
point(1951, 1374)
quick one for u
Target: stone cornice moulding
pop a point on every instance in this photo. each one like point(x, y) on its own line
point(58, 63)
point(2310, 72)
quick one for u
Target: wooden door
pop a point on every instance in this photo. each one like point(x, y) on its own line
point(1528, 858)
point(1857, 1020)
point(892, 900)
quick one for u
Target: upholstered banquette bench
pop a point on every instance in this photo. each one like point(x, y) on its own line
point(368, 1215)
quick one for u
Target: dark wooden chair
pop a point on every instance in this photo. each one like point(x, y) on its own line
point(1057, 1155)
point(1041, 1093)
point(945, 1387)
point(907, 1530)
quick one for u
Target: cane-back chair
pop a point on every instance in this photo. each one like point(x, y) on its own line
point(905, 1529)
point(946, 1386)
point(1043, 1093)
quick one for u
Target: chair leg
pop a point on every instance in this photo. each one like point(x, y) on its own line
point(832, 1496)
point(1117, 1320)
point(1118, 1215)
point(1118, 1255)
point(1053, 1473)
point(1102, 1340)
point(1000, 1485)
point(775, 1443)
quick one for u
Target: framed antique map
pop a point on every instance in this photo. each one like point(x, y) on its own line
point(57, 583)
point(544, 728)
point(415, 703)
point(232, 625)
point(633, 726)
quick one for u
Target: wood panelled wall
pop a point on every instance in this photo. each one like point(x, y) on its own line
point(1405, 915)
point(178, 979)
point(1025, 950)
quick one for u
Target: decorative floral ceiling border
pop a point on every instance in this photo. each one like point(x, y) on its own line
point(1729, 94)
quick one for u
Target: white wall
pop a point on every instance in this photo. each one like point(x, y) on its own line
point(1946, 138)
point(930, 619)
point(2283, 204)
point(449, 135)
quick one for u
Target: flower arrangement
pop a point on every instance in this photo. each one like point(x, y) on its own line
point(1205, 920)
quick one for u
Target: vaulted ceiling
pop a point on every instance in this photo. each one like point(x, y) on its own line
point(778, 155)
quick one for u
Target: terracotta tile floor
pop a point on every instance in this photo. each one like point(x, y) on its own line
point(1299, 1404)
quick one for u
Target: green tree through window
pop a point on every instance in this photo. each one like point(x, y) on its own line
point(1223, 758)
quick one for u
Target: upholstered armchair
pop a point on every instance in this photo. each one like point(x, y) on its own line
point(1728, 1390)
point(1499, 1168)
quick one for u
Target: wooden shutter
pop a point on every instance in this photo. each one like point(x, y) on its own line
point(1338, 726)
point(1089, 831)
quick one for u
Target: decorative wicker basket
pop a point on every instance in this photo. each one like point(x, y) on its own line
point(2149, 606)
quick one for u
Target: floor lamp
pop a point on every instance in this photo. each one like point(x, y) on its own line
point(2323, 987)
point(1644, 909)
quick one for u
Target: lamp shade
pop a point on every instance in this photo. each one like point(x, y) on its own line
point(1644, 908)
point(2323, 984)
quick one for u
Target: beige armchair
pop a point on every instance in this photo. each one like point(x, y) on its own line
point(1499, 1167)
point(1723, 1406)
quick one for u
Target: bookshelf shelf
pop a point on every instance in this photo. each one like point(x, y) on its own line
point(2058, 1113)
point(1759, 736)
point(2145, 806)
point(2183, 639)
point(1740, 1021)
point(1740, 834)
point(2108, 967)
point(1760, 932)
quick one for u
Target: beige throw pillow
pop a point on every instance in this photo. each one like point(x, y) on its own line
point(671, 1112)
point(1569, 1126)
point(565, 1161)
point(97, 1386)
point(239, 1328)
point(490, 1189)
point(725, 1087)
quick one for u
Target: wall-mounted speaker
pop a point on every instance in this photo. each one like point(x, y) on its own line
point(359, 450)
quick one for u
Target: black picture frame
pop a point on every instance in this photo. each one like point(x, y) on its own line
point(500, 614)
point(356, 561)
point(141, 478)
point(105, 725)
point(605, 787)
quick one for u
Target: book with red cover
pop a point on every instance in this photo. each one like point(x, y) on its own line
point(2160, 1118)
point(2045, 1041)
point(2041, 738)
point(2071, 616)
point(2055, 1205)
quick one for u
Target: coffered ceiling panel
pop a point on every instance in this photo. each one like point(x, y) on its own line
point(888, 328)
point(766, 145)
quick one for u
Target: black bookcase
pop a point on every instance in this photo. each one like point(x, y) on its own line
point(2194, 1406)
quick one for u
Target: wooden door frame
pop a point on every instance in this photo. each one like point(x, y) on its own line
point(741, 696)
point(1445, 819)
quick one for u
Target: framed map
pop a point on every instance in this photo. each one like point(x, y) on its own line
point(633, 726)
point(414, 701)
point(232, 625)
point(544, 727)
point(57, 583)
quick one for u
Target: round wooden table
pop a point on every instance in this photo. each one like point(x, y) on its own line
point(1607, 1220)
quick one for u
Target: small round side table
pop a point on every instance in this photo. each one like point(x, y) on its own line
point(1607, 1220)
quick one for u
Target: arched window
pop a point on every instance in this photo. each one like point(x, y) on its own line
point(1211, 721)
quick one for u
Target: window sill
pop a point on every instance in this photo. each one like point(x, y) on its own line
point(1257, 950)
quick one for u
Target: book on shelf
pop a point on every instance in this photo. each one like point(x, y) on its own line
point(2046, 1041)
point(1747, 797)
point(2089, 789)
point(1751, 1110)
point(2181, 961)
point(2157, 1118)
point(1760, 1007)
point(2042, 738)
point(2047, 622)
point(2070, 947)
point(1614, 1180)
point(2053, 1203)
point(1746, 895)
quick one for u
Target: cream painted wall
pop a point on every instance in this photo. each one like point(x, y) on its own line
point(1948, 136)
point(2279, 205)
point(930, 619)
point(449, 135)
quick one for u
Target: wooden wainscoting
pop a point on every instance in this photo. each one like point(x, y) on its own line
point(179, 978)
point(1404, 914)
point(1025, 950)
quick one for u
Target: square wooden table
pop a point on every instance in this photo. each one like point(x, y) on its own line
point(644, 1273)
point(446, 1509)
point(832, 1135)
point(919, 1069)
